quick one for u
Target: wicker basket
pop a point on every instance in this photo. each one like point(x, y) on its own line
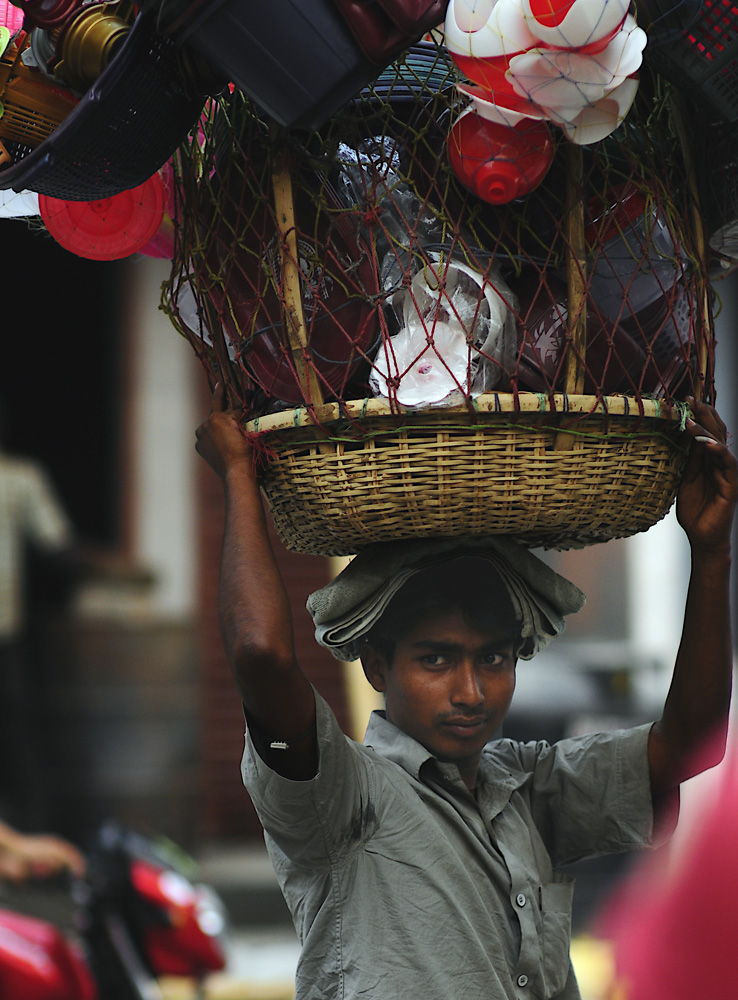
point(559, 472)
point(565, 463)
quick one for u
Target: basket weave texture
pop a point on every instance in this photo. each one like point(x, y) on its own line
point(376, 475)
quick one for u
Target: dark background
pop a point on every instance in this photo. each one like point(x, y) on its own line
point(60, 383)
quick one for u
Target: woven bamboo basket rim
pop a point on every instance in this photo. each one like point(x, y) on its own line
point(513, 465)
point(489, 403)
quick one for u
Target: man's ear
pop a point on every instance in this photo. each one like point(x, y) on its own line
point(374, 666)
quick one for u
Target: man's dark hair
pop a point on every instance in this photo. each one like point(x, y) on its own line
point(469, 584)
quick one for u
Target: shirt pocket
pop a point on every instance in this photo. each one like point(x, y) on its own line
point(556, 903)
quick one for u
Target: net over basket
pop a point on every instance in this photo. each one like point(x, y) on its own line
point(424, 345)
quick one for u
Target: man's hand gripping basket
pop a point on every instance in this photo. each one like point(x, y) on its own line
point(414, 360)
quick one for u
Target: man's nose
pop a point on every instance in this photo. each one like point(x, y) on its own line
point(467, 689)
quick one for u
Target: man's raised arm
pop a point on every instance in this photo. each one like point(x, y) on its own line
point(253, 608)
point(698, 702)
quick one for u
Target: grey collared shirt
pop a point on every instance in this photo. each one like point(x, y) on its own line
point(403, 886)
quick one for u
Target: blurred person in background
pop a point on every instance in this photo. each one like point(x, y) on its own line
point(33, 524)
point(27, 856)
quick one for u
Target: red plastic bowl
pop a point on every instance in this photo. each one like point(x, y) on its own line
point(110, 228)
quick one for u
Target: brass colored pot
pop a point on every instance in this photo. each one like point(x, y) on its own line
point(87, 44)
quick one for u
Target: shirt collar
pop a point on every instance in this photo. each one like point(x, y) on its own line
point(392, 743)
point(395, 745)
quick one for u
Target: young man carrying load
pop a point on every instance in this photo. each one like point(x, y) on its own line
point(422, 863)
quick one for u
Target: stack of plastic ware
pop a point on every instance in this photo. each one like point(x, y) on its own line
point(421, 356)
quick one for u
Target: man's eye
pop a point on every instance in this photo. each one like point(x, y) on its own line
point(495, 659)
point(434, 660)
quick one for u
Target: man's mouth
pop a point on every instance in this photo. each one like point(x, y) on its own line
point(465, 724)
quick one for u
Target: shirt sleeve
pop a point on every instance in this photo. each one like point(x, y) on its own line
point(44, 520)
point(591, 795)
point(318, 821)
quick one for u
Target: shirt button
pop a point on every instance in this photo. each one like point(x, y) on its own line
point(522, 980)
point(520, 899)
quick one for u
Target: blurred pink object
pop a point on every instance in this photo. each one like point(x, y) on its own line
point(48, 13)
point(162, 243)
point(11, 17)
point(675, 925)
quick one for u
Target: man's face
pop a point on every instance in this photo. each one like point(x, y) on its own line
point(449, 686)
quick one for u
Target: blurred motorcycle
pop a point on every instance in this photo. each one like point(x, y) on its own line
point(138, 915)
